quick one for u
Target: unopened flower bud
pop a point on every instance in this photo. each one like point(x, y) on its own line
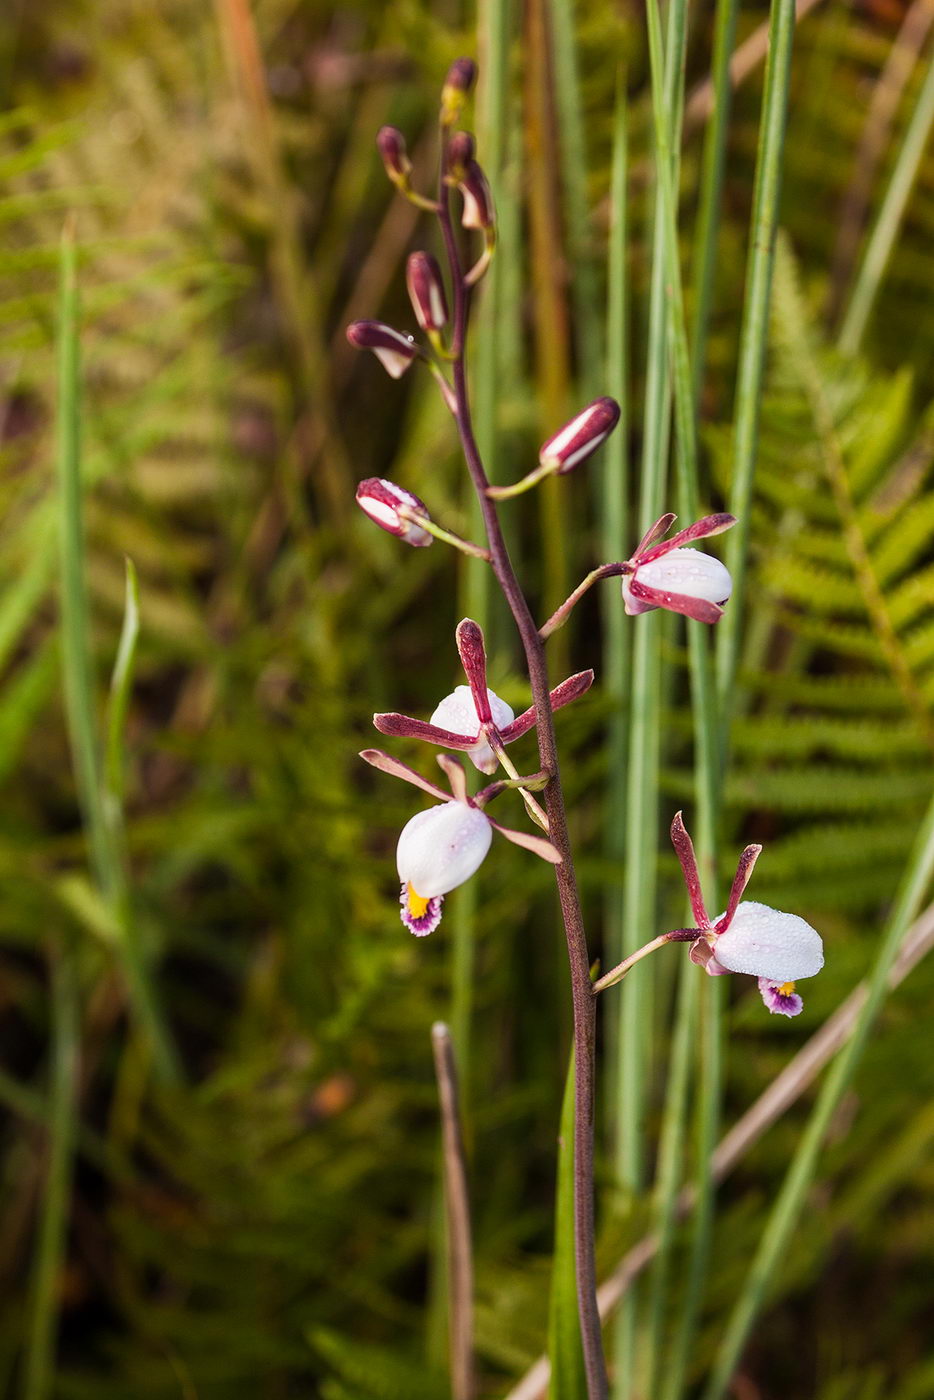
point(478, 199)
point(460, 153)
point(384, 502)
point(394, 350)
point(391, 145)
point(426, 291)
point(571, 444)
point(461, 77)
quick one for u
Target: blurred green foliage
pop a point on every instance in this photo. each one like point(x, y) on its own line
point(264, 1227)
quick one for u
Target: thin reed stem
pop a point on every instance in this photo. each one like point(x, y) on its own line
point(889, 219)
point(706, 742)
point(754, 337)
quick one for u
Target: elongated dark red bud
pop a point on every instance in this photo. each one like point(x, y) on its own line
point(426, 291)
point(391, 145)
point(478, 198)
point(394, 350)
point(573, 443)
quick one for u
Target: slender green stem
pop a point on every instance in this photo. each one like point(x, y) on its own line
point(76, 641)
point(790, 1200)
point(670, 1164)
point(888, 222)
point(616, 974)
point(754, 335)
point(711, 188)
point(645, 707)
point(476, 551)
point(613, 516)
point(560, 615)
point(39, 1362)
point(588, 327)
point(707, 767)
point(457, 1211)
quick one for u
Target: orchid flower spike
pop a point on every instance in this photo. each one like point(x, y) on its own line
point(473, 715)
point(389, 507)
point(779, 949)
point(443, 846)
point(668, 575)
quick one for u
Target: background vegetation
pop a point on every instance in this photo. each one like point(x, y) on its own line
point(257, 1211)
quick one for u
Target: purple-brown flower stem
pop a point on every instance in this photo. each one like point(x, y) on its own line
point(560, 615)
point(582, 993)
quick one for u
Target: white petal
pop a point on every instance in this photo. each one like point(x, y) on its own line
point(458, 713)
point(441, 848)
point(767, 943)
point(687, 571)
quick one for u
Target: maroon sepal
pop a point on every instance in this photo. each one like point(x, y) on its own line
point(472, 652)
point(684, 850)
point(654, 532)
point(402, 727)
point(700, 530)
point(740, 880)
point(562, 694)
point(697, 608)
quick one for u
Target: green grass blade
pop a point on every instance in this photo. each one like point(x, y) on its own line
point(706, 759)
point(754, 333)
point(614, 536)
point(711, 189)
point(788, 1205)
point(587, 330)
point(565, 1352)
point(121, 685)
point(103, 827)
point(76, 644)
point(882, 241)
point(39, 1363)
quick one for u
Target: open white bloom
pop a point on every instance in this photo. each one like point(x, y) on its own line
point(441, 848)
point(458, 712)
point(768, 943)
point(438, 850)
point(667, 574)
point(687, 573)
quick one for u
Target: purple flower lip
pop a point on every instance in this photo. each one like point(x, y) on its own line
point(780, 998)
point(679, 579)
